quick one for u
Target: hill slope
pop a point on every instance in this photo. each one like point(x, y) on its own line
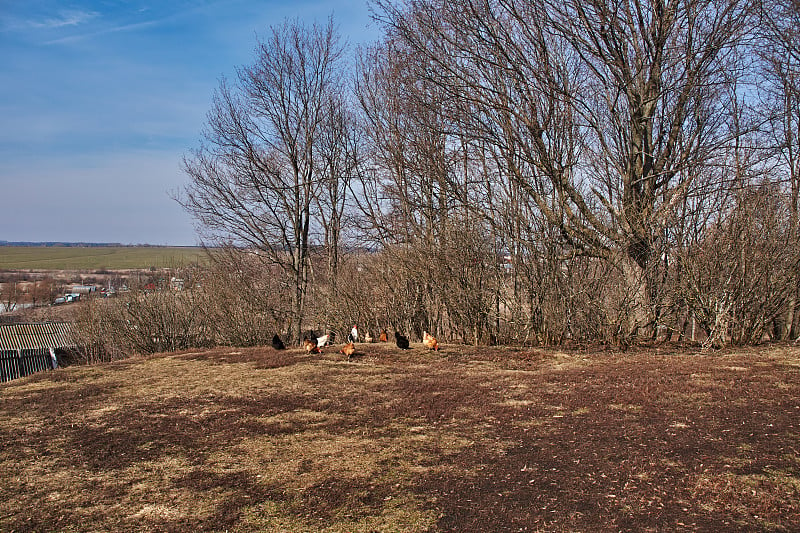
point(467, 439)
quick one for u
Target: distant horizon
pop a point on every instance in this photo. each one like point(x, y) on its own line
point(76, 244)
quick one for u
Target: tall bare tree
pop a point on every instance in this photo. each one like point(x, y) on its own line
point(596, 109)
point(338, 163)
point(780, 54)
point(258, 172)
point(419, 203)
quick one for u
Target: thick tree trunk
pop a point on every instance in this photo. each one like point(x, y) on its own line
point(638, 298)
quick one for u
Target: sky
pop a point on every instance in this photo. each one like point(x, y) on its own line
point(100, 101)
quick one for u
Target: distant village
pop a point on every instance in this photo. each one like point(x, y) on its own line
point(21, 294)
point(78, 291)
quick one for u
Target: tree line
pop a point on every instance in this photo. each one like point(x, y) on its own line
point(506, 171)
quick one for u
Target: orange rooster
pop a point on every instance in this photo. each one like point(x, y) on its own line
point(311, 346)
point(430, 341)
point(348, 349)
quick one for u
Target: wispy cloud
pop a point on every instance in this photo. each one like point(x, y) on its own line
point(64, 19)
point(70, 25)
point(104, 31)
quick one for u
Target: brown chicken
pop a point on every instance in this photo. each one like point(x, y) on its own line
point(311, 346)
point(348, 349)
point(430, 341)
point(384, 336)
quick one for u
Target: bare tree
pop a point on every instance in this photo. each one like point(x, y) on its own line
point(42, 291)
point(257, 174)
point(420, 203)
point(780, 76)
point(340, 146)
point(736, 277)
point(596, 110)
point(10, 293)
point(245, 302)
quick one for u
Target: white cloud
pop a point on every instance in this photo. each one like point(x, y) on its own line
point(105, 31)
point(64, 18)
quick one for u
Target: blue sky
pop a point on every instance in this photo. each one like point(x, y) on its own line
point(100, 100)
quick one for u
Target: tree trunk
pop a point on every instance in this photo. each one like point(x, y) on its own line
point(637, 296)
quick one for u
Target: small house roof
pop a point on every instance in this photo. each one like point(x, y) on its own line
point(35, 336)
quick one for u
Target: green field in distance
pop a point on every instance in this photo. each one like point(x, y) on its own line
point(97, 257)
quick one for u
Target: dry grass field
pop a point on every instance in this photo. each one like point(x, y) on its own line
point(467, 439)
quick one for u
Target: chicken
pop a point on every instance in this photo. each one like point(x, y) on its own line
point(348, 349)
point(311, 345)
point(368, 337)
point(277, 343)
point(384, 336)
point(323, 341)
point(430, 341)
point(402, 342)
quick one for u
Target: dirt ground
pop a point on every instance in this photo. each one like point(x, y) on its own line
point(465, 439)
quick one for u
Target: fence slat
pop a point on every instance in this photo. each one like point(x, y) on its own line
point(30, 347)
point(20, 363)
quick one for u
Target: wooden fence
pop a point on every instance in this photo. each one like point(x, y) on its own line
point(21, 363)
point(31, 347)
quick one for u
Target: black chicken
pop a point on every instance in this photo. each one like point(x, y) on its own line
point(402, 342)
point(277, 343)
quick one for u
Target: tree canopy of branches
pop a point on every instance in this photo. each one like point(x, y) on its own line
point(516, 171)
point(267, 154)
point(596, 110)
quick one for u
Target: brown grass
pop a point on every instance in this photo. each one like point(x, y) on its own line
point(466, 439)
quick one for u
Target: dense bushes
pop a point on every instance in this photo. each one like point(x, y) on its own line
point(736, 284)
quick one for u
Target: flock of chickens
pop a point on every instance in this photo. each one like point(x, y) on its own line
point(314, 345)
